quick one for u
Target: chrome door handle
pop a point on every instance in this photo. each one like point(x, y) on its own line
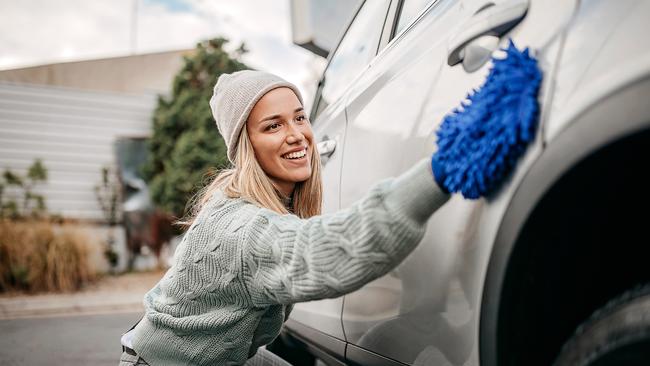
point(493, 20)
point(326, 148)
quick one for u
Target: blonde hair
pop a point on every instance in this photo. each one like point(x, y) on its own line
point(248, 180)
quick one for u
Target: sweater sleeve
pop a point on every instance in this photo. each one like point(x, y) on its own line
point(287, 259)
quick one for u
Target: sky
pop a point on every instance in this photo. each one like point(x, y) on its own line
point(34, 32)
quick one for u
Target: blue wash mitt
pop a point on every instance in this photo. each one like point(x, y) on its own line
point(480, 141)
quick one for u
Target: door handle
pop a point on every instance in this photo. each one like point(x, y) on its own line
point(493, 20)
point(326, 148)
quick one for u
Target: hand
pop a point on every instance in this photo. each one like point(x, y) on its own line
point(480, 141)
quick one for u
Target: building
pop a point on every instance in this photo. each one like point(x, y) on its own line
point(70, 114)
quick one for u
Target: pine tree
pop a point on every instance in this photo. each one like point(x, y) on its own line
point(185, 143)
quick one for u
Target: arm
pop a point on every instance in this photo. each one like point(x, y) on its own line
point(288, 259)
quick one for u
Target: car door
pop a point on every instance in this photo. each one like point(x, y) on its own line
point(387, 132)
point(320, 321)
point(425, 311)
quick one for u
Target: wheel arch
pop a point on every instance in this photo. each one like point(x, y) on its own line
point(599, 140)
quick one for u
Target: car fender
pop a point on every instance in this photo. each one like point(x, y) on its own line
point(620, 109)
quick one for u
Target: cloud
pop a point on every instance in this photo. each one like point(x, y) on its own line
point(45, 31)
point(161, 29)
point(172, 5)
point(34, 32)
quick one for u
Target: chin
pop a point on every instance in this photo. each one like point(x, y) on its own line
point(301, 176)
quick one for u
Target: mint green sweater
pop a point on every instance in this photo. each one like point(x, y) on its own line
point(240, 267)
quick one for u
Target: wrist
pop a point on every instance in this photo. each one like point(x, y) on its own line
point(438, 172)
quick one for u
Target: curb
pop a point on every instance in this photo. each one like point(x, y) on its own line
point(69, 304)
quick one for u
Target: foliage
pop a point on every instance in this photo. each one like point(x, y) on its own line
point(109, 198)
point(186, 144)
point(33, 205)
point(35, 256)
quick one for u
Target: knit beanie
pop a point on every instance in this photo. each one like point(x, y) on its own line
point(233, 98)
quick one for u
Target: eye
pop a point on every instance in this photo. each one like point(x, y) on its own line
point(273, 126)
point(301, 118)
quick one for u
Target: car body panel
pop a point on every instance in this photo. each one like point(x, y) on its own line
point(436, 306)
point(593, 105)
point(585, 72)
point(392, 138)
point(586, 135)
point(427, 308)
point(325, 315)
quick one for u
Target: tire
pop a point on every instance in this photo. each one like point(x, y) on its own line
point(616, 334)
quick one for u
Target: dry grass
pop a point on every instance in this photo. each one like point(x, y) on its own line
point(37, 256)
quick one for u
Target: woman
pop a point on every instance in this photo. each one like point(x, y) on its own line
point(257, 243)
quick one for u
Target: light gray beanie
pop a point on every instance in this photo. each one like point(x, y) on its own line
point(233, 98)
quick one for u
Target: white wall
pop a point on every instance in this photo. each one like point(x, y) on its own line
point(72, 131)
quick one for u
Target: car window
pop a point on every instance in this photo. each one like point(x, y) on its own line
point(356, 49)
point(409, 11)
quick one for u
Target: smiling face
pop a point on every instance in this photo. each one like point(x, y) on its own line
point(282, 138)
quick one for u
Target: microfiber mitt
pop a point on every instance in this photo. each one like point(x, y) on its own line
point(480, 141)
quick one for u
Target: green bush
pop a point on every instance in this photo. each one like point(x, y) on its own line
point(185, 143)
point(33, 205)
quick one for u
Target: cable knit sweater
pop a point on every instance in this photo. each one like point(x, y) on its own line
point(240, 267)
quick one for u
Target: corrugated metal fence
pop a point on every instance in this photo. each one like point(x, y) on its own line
point(73, 132)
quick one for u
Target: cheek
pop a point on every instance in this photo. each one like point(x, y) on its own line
point(308, 133)
point(266, 152)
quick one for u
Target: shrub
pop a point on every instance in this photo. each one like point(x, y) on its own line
point(33, 204)
point(36, 256)
point(185, 144)
point(109, 199)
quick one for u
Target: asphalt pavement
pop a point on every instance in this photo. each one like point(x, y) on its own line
point(82, 328)
point(64, 340)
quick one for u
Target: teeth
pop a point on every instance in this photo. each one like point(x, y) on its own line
point(295, 155)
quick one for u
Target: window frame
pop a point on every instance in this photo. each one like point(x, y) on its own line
point(391, 36)
point(389, 14)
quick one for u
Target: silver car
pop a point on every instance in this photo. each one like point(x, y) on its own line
point(554, 268)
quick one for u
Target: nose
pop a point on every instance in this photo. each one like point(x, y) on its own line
point(294, 134)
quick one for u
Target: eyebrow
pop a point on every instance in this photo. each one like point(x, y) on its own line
point(278, 116)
